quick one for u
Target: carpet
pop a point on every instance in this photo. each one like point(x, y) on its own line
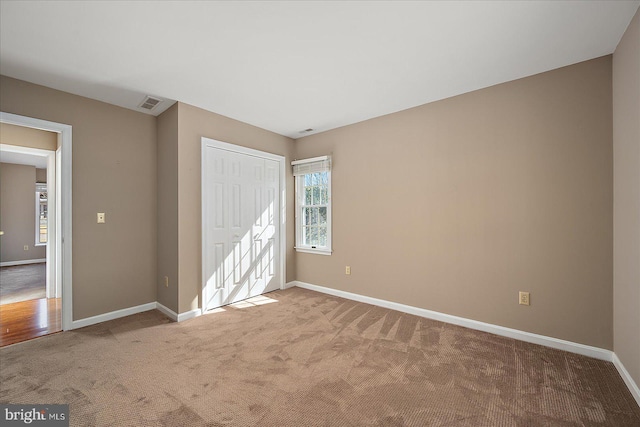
point(22, 283)
point(301, 358)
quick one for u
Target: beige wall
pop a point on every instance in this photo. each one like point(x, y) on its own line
point(18, 213)
point(41, 175)
point(168, 207)
point(626, 199)
point(194, 123)
point(28, 137)
point(457, 205)
point(114, 171)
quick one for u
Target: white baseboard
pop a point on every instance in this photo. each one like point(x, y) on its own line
point(586, 350)
point(134, 310)
point(167, 312)
point(631, 384)
point(23, 262)
point(189, 314)
point(290, 284)
point(113, 315)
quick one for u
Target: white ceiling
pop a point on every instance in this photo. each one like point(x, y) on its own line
point(288, 66)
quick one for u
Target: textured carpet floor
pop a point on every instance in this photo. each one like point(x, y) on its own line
point(22, 283)
point(309, 359)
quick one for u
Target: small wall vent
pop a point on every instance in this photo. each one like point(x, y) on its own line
point(149, 103)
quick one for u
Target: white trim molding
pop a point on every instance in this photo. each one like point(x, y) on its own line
point(112, 315)
point(313, 251)
point(88, 321)
point(586, 350)
point(626, 377)
point(167, 311)
point(178, 317)
point(191, 314)
point(22, 262)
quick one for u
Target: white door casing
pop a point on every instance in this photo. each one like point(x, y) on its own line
point(242, 223)
point(61, 255)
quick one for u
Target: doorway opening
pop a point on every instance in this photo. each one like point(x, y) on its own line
point(35, 261)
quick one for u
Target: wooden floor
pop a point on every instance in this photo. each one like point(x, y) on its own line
point(25, 320)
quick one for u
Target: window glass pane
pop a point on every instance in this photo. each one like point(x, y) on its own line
point(307, 180)
point(315, 179)
point(322, 236)
point(310, 216)
point(311, 236)
point(316, 195)
point(322, 216)
point(307, 194)
point(324, 196)
point(307, 213)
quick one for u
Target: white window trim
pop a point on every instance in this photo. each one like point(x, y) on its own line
point(306, 250)
point(298, 219)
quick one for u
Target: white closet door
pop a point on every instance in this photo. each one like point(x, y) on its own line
point(266, 231)
point(241, 226)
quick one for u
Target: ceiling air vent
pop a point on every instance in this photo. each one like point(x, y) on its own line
point(149, 103)
point(306, 130)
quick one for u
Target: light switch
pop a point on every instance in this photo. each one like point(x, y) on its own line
point(101, 218)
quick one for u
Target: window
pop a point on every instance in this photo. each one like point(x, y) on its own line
point(41, 214)
point(313, 205)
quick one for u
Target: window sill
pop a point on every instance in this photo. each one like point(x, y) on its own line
point(314, 251)
point(40, 244)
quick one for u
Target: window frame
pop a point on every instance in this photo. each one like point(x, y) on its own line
point(40, 189)
point(299, 205)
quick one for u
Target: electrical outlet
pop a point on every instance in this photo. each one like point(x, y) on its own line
point(524, 298)
point(101, 219)
point(347, 269)
point(26, 247)
point(166, 281)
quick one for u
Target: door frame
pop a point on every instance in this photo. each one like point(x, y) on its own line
point(238, 149)
point(63, 205)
